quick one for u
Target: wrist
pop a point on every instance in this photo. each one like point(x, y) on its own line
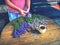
point(28, 9)
point(19, 9)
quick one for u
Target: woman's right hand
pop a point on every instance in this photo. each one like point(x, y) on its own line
point(22, 12)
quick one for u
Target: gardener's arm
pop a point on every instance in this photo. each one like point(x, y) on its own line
point(28, 5)
point(9, 3)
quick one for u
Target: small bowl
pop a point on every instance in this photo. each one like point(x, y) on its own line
point(42, 29)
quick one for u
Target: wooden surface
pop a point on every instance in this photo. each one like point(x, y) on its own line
point(51, 37)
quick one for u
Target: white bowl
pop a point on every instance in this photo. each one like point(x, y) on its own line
point(42, 29)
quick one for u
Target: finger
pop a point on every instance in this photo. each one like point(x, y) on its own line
point(23, 15)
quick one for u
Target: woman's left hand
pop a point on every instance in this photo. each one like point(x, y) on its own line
point(27, 11)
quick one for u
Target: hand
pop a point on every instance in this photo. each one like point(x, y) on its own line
point(22, 12)
point(27, 11)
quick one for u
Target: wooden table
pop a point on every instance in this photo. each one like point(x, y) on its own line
point(51, 37)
